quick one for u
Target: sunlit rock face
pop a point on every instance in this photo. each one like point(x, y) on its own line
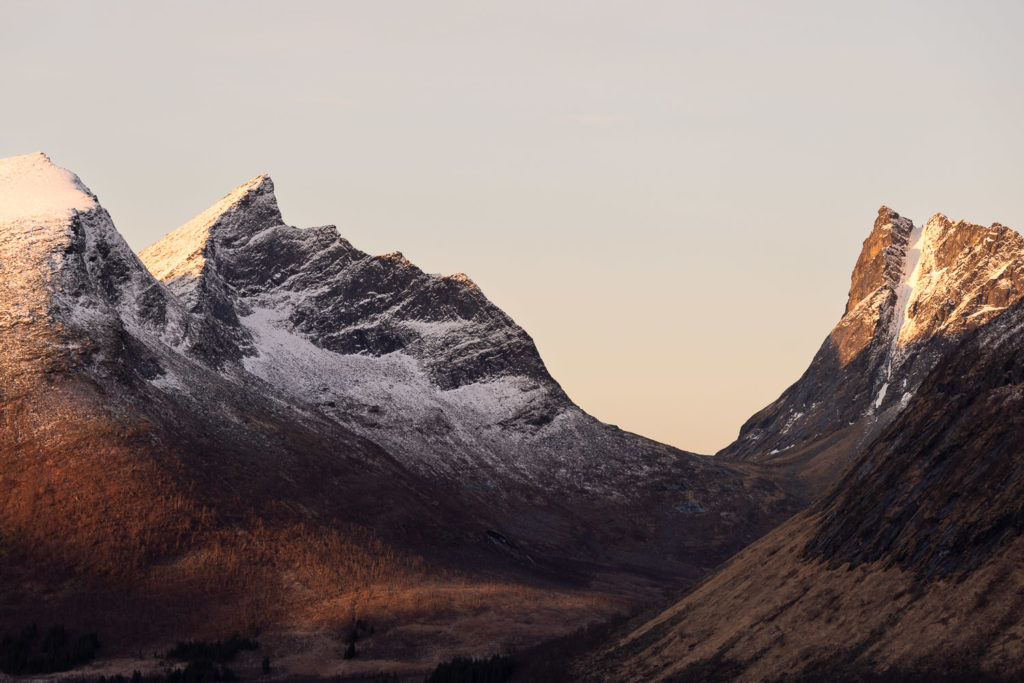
point(915, 292)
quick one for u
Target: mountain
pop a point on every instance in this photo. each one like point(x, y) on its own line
point(426, 367)
point(423, 364)
point(280, 432)
point(908, 567)
point(916, 291)
point(136, 506)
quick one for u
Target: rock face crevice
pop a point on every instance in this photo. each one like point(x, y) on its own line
point(882, 259)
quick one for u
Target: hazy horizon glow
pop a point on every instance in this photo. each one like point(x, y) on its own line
point(668, 196)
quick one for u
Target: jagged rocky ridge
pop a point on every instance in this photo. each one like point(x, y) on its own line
point(908, 567)
point(422, 363)
point(282, 395)
point(429, 369)
point(916, 291)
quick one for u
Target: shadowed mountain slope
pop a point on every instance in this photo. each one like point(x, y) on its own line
point(116, 482)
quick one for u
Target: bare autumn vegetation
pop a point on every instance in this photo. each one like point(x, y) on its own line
point(908, 568)
point(107, 524)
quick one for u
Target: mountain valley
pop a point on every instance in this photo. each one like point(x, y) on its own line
point(259, 429)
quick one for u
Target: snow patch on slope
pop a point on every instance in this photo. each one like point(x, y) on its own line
point(881, 395)
point(170, 382)
point(389, 399)
point(911, 276)
point(901, 315)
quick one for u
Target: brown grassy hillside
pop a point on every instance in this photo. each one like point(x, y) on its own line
point(910, 565)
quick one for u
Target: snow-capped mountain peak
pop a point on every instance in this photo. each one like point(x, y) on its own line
point(179, 258)
point(915, 292)
point(423, 365)
point(32, 188)
point(261, 318)
point(966, 275)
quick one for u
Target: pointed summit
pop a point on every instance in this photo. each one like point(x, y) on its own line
point(178, 259)
point(33, 188)
point(65, 268)
point(881, 259)
point(916, 291)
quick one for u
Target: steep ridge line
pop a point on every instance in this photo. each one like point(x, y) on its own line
point(908, 567)
point(915, 292)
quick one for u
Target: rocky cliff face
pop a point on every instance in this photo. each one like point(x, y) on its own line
point(915, 292)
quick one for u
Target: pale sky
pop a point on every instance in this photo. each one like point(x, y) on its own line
point(668, 196)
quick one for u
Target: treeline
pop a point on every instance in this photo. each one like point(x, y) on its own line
point(548, 662)
point(205, 663)
point(496, 669)
point(194, 672)
point(41, 652)
point(217, 651)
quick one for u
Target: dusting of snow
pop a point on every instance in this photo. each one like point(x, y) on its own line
point(389, 399)
point(33, 189)
point(170, 382)
point(513, 423)
point(431, 327)
point(881, 395)
point(507, 426)
point(791, 421)
point(987, 310)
